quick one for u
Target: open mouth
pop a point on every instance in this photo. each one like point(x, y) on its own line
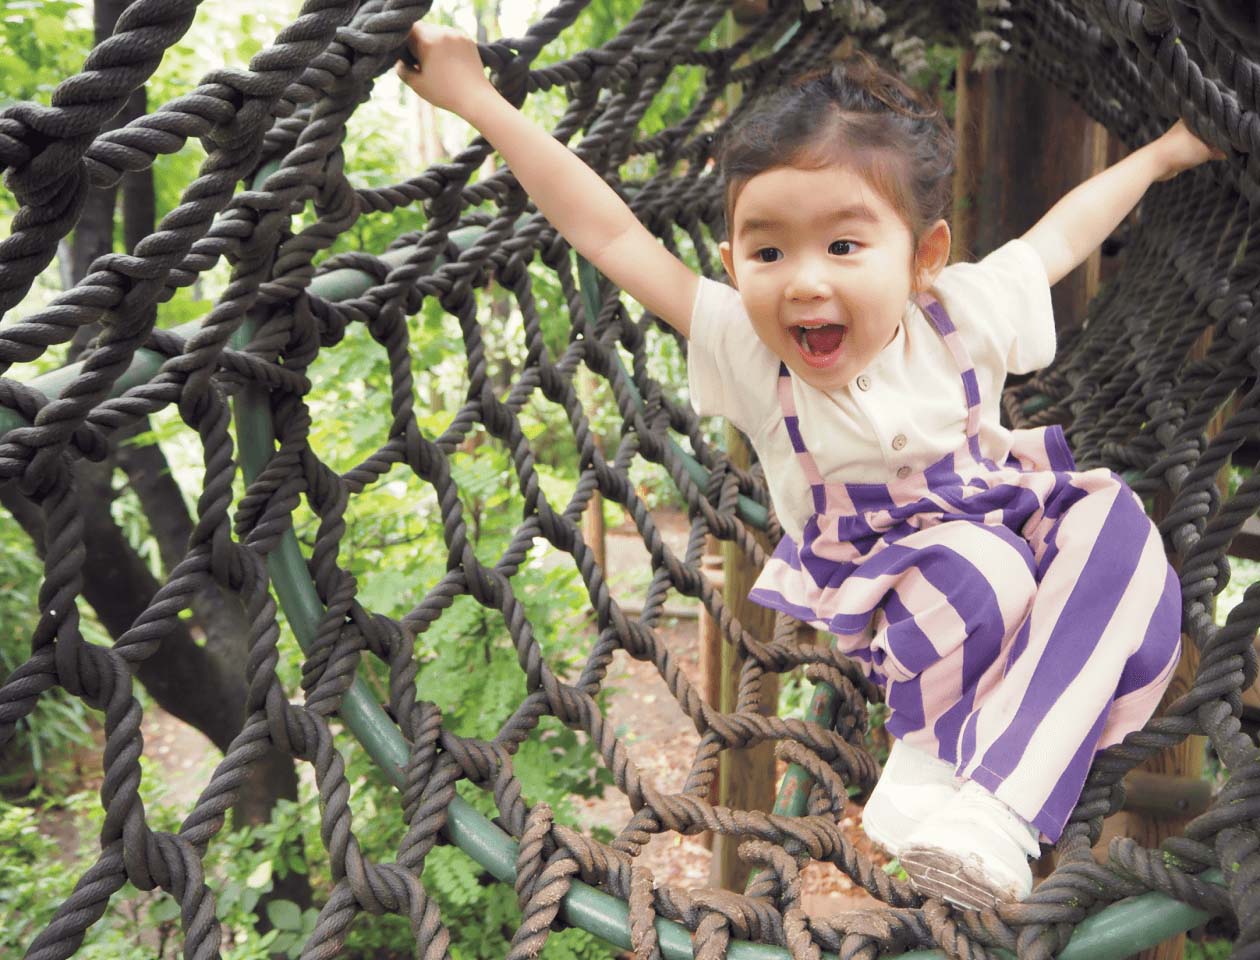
point(819, 343)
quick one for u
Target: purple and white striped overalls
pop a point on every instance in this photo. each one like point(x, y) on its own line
point(1019, 617)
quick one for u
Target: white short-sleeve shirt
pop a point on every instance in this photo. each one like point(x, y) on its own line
point(906, 410)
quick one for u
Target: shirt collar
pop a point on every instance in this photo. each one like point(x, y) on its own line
point(896, 348)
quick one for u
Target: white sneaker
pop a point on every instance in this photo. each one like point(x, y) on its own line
point(973, 852)
point(913, 785)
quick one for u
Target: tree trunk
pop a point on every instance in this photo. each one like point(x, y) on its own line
point(185, 679)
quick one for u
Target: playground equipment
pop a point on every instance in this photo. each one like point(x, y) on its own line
point(1134, 395)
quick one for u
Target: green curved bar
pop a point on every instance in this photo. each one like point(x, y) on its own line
point(1121, 929)
point(1034, 405)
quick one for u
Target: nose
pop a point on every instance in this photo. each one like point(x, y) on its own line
point(808, 281)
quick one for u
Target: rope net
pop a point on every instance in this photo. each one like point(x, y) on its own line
point(1135, 397)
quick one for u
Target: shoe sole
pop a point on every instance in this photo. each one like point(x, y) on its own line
point(937, 873)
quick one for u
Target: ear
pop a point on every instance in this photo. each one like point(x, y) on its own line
point(728, 261)
point(932, 254)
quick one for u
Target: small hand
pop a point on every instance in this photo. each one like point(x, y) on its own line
point(450, 71)
point(1179, 150)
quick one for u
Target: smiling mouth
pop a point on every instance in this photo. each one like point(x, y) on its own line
point(819, 342)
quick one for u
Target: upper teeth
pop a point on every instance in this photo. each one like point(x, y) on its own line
point(802, 328)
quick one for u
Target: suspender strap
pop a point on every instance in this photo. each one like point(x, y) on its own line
point(953, 340)
point(790, 420)
point(971, 389)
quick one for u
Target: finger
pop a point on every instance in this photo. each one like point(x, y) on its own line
point(408, 56)
point(408, 60)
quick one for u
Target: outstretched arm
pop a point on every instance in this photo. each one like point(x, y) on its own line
point(576, 200)
point(1076, 225)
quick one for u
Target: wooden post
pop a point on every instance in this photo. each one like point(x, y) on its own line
point(1182, 761)
point(711, 650)
point(1003, 186)
point(1022, 146)
point(968, 101)
point(1010, 172)
point(1175, 767)
point(746, 778)
point(593, 532)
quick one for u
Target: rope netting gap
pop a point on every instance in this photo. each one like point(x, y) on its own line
point(1123, 382)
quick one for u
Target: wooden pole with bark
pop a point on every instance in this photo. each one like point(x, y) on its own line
point(746, 778)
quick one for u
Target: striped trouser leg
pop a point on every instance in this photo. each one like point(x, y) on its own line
point(1091, 659)
point(951, 600)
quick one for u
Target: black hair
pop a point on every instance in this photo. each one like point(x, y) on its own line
point(855, 113)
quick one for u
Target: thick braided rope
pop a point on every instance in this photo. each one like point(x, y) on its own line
point(1123, 383)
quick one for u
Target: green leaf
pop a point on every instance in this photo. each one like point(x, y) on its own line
point(48, 29)
point(260, 876)
point(249, 900)
point(384, 590)
point(163, 911)
point(284, 915)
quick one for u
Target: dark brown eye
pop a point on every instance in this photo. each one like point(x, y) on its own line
point(841, 248)
point(769, 254)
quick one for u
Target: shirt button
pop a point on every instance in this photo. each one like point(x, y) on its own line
point(899, 441)
point(864, 382)
point(903, 472)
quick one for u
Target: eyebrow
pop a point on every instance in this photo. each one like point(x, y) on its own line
point(860, 213)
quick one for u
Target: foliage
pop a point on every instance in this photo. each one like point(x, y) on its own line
point(43, 44)
point(461, 890)
point(1210, 949)
point(394, 548)
point(28, 889)
point(38, 871)
point(937, 78)
point(795, 693)
point(1242, 574)
point(244, 864)
point(47, 737)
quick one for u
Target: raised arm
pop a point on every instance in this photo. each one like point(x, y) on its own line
point(1076, 225)
point(576, 200)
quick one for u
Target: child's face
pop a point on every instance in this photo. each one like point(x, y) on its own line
point(824, 266)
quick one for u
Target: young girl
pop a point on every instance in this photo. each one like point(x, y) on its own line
point(1020, 614)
